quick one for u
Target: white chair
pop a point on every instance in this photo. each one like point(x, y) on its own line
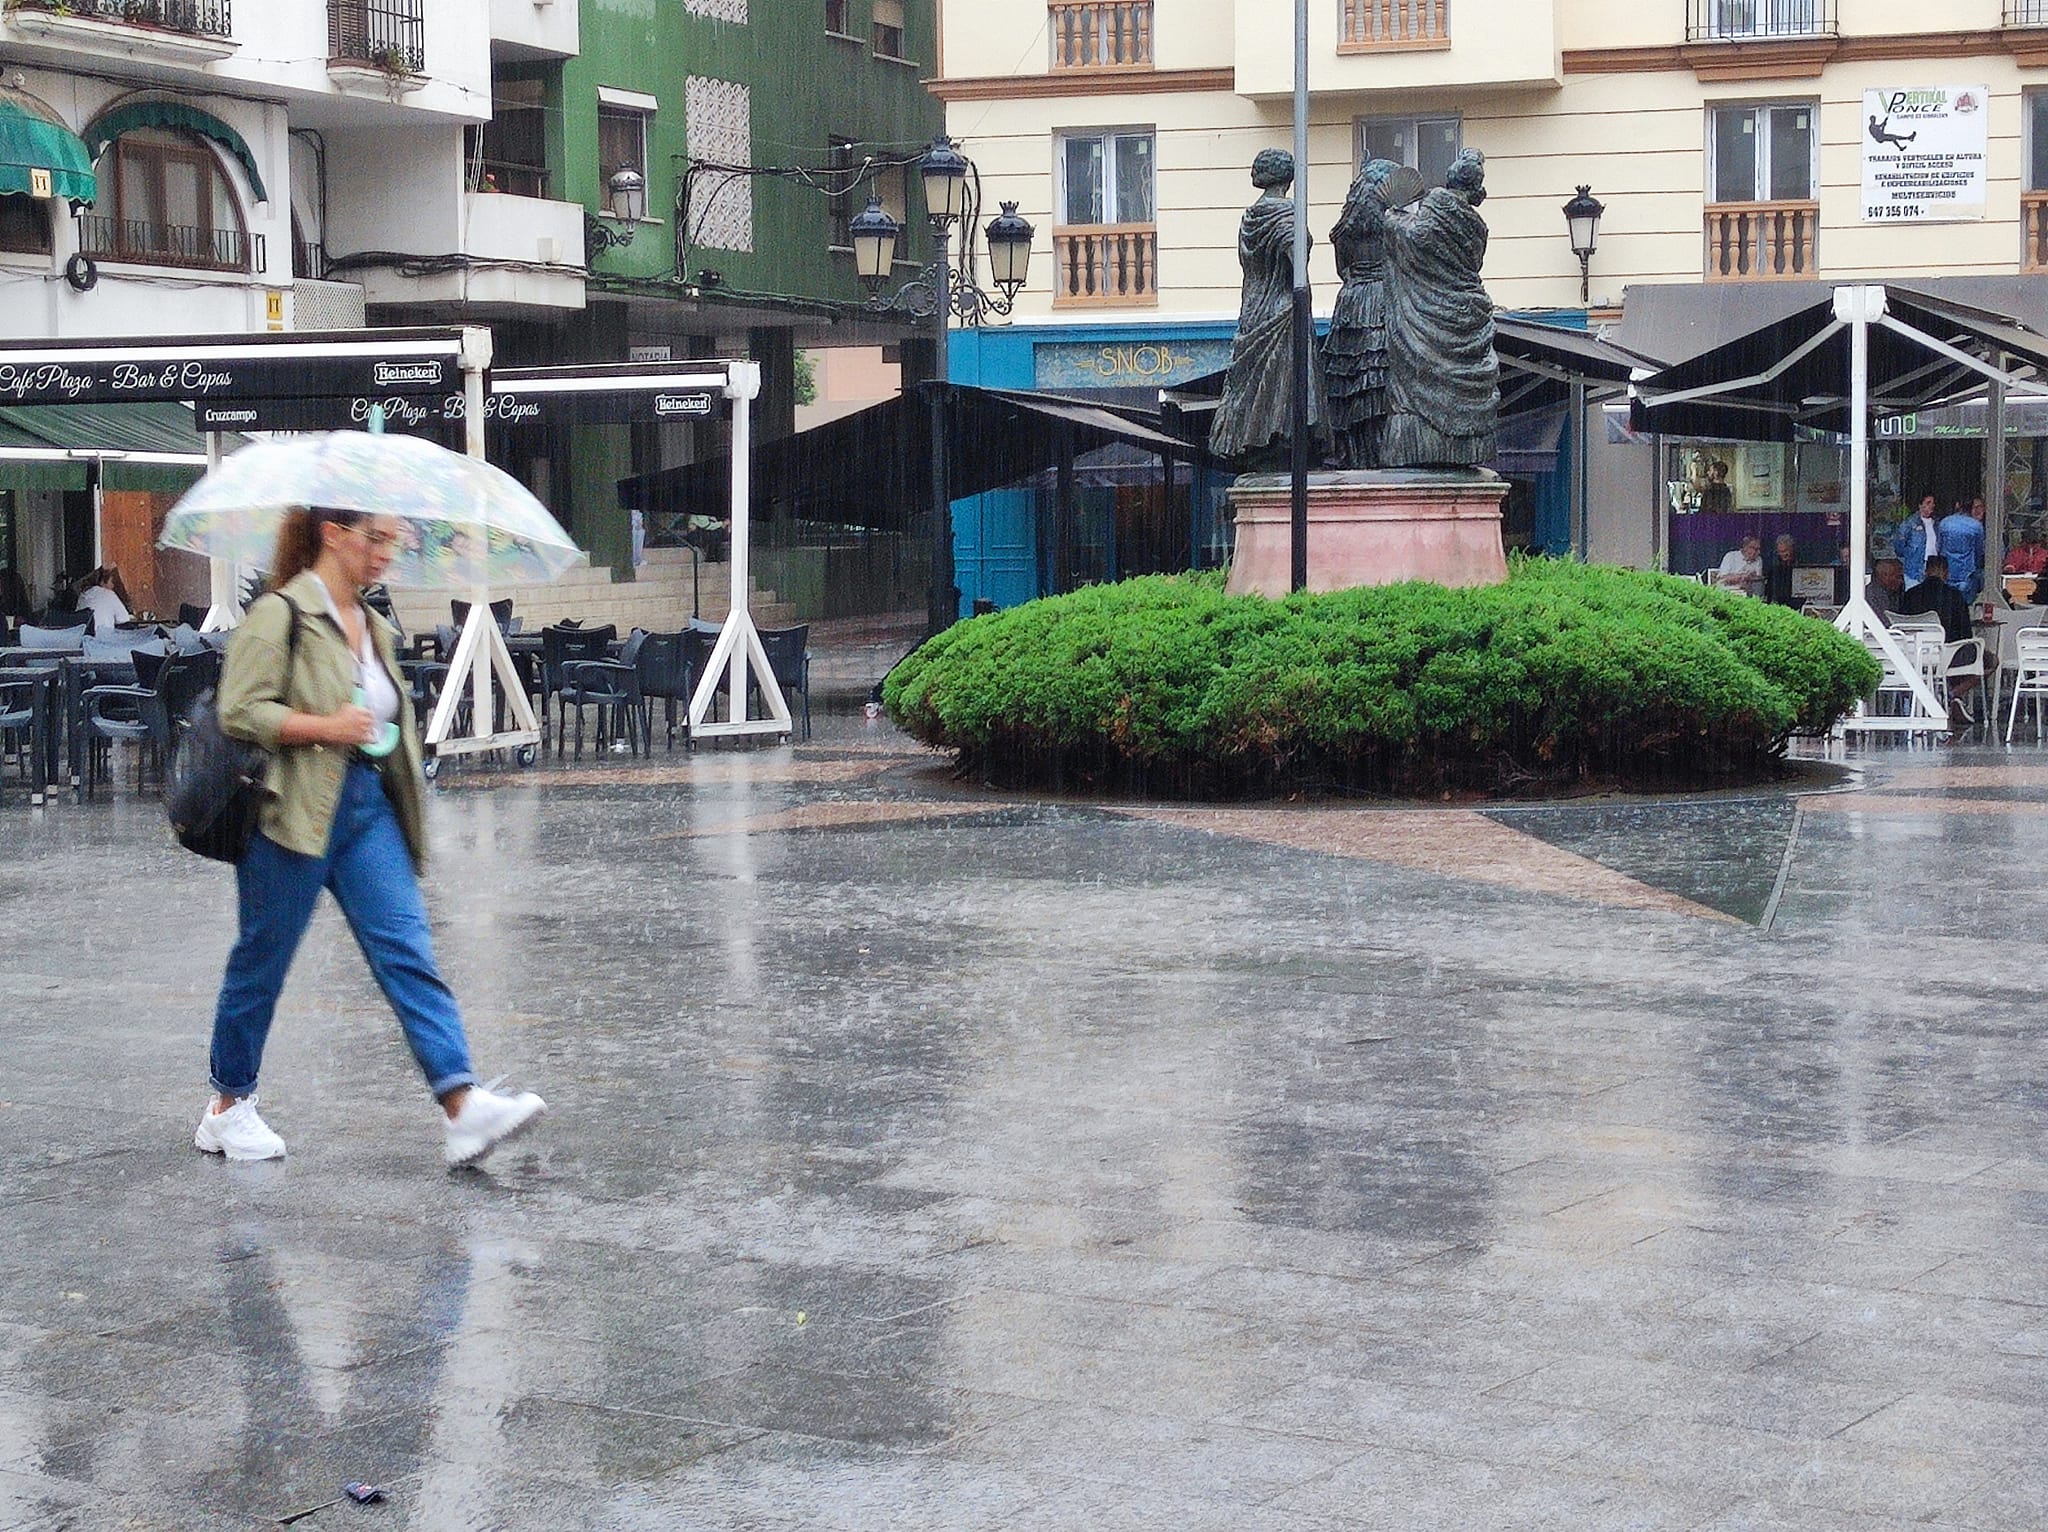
point(2029, 676)
point(2010, 624)
point(1925, 656)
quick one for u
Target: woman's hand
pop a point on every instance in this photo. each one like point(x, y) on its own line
point(347, 726)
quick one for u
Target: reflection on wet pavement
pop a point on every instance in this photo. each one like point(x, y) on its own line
point(924, 1157)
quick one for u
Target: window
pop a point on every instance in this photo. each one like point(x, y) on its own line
point(1764, 18)
point(1106, 177)
point(836, 19)
point(509, 153)
point(1427, 144)
point(2037, 141)
point(623, 119)
point(164, 199)
point(888, 30)
point(1763, 153)
point(24, 225)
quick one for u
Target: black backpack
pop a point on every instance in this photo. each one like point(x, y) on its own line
point(213, 792)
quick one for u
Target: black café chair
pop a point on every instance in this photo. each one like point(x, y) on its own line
point(666, 676)
point(501, 613)
point(17, 720)
point(613, 688)
point(560, 644)
point(190, 616)
point(790, 661)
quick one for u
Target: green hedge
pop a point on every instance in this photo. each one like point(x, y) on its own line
point(1565, 674)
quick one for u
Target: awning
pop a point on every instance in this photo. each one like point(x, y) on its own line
point(138, 446)
point(874, 468)
point(34, 141)
point(1791, 373)
point(180, 118)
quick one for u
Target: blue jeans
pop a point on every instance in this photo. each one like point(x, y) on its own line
point(370, 871)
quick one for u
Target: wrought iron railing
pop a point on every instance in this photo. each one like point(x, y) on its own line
point(1370, 26)
point(1110, 265)
point(169, 244)
point(509, 177)
point(1757, 20)
point(309, 259)
point(2026, 13)
point(1762, 241)
point(1100, 34)
point(199, 18)
point(390, 35)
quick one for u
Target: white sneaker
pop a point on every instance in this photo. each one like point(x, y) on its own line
point(237, 1133)
point(487, 1120)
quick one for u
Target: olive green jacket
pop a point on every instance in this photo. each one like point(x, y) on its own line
point(257, 695)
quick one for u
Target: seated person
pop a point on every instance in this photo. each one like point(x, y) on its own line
point(103, 594)
point(1887, 585)
point(1778, 574)
point(2028, 557)
point(1934, 594)
point(1743, 568)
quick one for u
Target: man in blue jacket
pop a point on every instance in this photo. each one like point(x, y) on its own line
point(1962, 540)
point(1917, 536)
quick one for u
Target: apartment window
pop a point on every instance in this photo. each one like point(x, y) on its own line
point(836, 19)
point(24, 225)
point(624, 119)
point(1106, 250)
point(888, 29)
point(1427, 144)
point(165, 200)
point(1764, 153)
point(2037, 140)
point(1106, 177)
point(2033, 201)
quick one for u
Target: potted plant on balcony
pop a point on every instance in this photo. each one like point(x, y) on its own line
point(395, 59)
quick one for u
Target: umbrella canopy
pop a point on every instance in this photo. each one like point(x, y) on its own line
point(451, 507)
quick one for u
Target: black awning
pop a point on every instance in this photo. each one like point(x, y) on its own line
point(1792, 371)
point(873, 468)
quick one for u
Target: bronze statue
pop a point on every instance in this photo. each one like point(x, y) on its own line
point(1355, 350)
point(1257, 404)
point(1443, 378)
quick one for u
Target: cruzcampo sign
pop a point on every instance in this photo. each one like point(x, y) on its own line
point(1924, 153)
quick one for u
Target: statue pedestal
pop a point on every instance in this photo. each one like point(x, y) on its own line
point(1371, 527)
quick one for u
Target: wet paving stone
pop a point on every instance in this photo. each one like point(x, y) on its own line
point(926, 1157)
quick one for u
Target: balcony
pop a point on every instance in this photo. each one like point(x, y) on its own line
point(1736, 21)
point(2034, 232)
point(2026, 13)
point(1110, 265)
point(377, 44)
point(143, 243)
point(172, 31)
point(1762, 241)
point(1089, 36)
point(1380, 26)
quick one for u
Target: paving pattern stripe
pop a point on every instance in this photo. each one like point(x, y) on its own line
point(712, 773)
point(1967, 776)
point(1906, 805)
point(835, 816)
point(1452, 843)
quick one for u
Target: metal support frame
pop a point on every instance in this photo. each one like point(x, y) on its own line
point(480, 653)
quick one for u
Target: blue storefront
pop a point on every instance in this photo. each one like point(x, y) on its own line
point(1121, 511)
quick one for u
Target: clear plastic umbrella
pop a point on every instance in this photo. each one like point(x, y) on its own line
point(465, 523)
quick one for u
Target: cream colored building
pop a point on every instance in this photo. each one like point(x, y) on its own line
point(1726, 138)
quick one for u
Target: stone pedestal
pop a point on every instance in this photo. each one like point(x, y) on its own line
point(1371, 527)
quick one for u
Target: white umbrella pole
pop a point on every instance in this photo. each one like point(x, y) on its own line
point(739, 649)
point(480, 652)
point(1859, 307)
point(224, 577)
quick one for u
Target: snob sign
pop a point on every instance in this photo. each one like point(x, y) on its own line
point(1924, 152)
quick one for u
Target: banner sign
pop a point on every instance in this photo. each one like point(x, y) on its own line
point(205, 377)
point(1128, 364)
point(1924, 153)
point(430, 412)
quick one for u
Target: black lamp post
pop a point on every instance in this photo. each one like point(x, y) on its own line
point(1582, 222)
point(943, 294)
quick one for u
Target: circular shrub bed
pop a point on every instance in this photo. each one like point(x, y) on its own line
point(1567, 674)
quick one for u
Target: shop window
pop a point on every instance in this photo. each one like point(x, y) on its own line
point(1427, 144)
point(888, 29)
point(24, 225)
point(165, 200)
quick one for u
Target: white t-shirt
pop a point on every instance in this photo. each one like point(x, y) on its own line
point(108, 610)
point(1747, 570)
point(379, 695)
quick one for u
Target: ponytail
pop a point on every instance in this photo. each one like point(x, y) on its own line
point(299, 541)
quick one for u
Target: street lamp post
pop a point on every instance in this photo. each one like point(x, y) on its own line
point(944, 295)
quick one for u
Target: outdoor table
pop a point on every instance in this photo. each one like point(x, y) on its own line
point(42, 737)
point(80, 676)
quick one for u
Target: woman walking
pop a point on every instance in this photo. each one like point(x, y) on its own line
point(313, 677)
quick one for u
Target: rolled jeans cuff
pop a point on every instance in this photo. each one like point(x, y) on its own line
point(456, 1081)
point(233, 1092)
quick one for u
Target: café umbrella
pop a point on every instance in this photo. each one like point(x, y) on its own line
point(463, 522)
